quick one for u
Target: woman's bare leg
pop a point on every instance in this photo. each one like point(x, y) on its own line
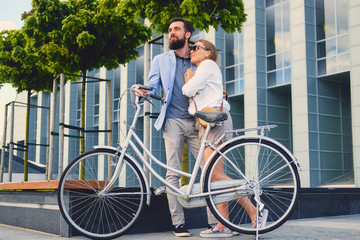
point(219, 175)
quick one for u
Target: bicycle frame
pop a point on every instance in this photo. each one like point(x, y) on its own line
point(175, 191)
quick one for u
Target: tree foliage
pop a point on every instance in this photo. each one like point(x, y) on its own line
point(84, 34)
point(18, 66)
point(229, 14)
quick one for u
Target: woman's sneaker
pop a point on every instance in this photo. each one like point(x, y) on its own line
point(181, 231)
point(216, 232)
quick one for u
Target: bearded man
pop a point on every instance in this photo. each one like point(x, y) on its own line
point(178, 126)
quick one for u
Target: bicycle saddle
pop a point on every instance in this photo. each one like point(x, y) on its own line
point(211, 116)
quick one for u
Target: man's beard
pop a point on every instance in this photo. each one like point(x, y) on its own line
point(177, 44)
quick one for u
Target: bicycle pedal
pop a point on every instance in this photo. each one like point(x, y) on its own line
point(160, 190)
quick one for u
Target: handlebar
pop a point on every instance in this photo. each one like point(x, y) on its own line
point(155, 97)
point(137, 87)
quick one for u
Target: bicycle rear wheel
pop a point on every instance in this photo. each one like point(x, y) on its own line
point(266, 168)
point(103, 216)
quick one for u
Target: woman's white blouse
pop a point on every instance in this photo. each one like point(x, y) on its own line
point(205, 87)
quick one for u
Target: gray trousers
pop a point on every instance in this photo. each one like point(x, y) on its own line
point(176, 132)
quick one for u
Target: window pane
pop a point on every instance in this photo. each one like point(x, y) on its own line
point(271, 79)
point(115, 116)
point(242, 71)
point(96, 93)
point(287, 59)
point(320, 20)
point(343, 44)
point(239, 44)
point(342, 16)
point(230, 75)
point(235, 88)
point(278, 29)
point(287, 75)
point(286, 18)
point(230, 89)
point(331, 47)
point(241, 85)
point(116, 103)
point(331, 65)
point(278, 60)
point(229, 38)
point(117, 84)
point(344, 62)
point(329, 9)
point(237, 72)
point(269, 3)
point(279, 77)
point(322, 67)
point(321, 50)
point(270, 30)
point(271, 63)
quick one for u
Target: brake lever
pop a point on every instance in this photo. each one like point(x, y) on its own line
point(146, 99)
point(144, 96)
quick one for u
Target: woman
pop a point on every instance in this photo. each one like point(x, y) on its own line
point(204, 88)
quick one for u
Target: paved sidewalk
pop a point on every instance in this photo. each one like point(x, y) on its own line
point(339, 227)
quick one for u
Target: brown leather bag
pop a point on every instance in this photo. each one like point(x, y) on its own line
point(207, 109)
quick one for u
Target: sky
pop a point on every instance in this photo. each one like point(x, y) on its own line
point(10, 13)
point(10, 18)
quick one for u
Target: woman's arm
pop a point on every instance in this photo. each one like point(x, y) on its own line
point(199, 78)
point(188, 75)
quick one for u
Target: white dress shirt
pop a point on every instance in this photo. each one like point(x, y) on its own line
point(205, 87)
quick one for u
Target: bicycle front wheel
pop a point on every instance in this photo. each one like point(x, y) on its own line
point(259, 165)
point(95, 215)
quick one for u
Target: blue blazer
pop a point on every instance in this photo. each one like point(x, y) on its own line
point(162, 73)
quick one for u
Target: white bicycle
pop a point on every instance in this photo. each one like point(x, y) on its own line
point(102, 192)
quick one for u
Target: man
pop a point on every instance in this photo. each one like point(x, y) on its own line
point(167, 70)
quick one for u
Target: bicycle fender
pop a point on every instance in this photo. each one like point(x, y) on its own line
point(148, 192)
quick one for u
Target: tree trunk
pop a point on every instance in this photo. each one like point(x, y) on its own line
point(83, 113)
point(26, 172)
point(185, 165)
point(82, 123)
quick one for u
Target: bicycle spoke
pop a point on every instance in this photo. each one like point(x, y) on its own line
point(106, 215)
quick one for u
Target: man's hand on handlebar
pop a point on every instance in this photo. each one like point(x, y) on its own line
point(141, 92)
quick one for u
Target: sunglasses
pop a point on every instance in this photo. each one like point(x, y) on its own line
point(196, 47)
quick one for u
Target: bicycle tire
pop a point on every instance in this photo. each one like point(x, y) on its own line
point(279, 189)
point(107, 216)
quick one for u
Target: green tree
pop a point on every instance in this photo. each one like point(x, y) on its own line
point(19, 68)
point(229, 14)
point(82, 35)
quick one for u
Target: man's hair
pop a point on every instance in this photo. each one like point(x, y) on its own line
point(187, 24)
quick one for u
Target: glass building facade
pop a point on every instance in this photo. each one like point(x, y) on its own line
point(295, 64)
